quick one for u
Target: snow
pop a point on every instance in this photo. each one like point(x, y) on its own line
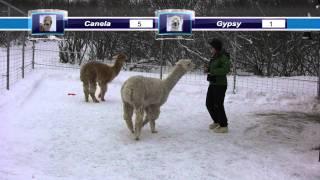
point(47, 134)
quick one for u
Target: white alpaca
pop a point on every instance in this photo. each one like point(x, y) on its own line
point(145, 94)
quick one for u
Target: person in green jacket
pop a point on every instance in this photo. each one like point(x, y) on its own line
point(218, 68)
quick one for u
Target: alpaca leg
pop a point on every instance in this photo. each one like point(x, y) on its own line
point(152, 114)
point(103, 90)
point(86, 91)
point(99, 95)
point(147, 119)
point(153, 126)
point(127, 115)
point(138, 122)
point(145, 122)
point(100, 85)
point(92, 90)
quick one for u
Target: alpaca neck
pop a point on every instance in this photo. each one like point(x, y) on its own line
point(117, 67)
point(174, 77)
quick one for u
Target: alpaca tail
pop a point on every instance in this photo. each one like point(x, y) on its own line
point(126, 93)
point(82, 74)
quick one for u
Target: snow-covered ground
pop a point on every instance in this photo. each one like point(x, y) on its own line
point(47, 134)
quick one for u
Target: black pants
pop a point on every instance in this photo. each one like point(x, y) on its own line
point(214, 103)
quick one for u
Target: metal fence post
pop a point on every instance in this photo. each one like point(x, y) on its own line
point(234, 64)
point(8, 61)
point(8, 55)
point(319, 78)
point(33, 49)
point(95, 55)
point(23, 49)
point(161, 58)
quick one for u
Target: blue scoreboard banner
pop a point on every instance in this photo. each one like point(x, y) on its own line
point(152, 24)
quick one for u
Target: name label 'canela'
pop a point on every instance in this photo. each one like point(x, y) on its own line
point(97, 24)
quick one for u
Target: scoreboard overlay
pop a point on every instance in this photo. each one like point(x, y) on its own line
point(151, 24)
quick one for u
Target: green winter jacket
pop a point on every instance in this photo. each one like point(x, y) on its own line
point(219, 67)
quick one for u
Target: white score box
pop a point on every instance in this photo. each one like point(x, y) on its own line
point(273, 23)
point(136, 23)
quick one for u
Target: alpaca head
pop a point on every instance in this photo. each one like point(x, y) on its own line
point(121, 57)
point(185, 64)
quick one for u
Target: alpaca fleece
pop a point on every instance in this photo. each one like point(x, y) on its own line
point(146, 95)
point(96, 72)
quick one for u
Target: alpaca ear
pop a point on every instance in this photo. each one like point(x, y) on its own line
point(123, 56)
point(120, 56)
point(191, 65)
point(114, 57)
point(178, 62)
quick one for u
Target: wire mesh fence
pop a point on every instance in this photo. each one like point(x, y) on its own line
point(294, 85)
point(46, 55)
point(15, 60)
point(3, 63)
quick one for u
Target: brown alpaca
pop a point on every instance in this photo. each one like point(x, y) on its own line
point(96, 72)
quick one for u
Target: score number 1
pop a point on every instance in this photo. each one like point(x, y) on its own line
point(274, 23)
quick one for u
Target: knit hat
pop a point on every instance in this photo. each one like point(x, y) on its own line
point(216, 43)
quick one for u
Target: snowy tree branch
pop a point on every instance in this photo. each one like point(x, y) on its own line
point(193, 52)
